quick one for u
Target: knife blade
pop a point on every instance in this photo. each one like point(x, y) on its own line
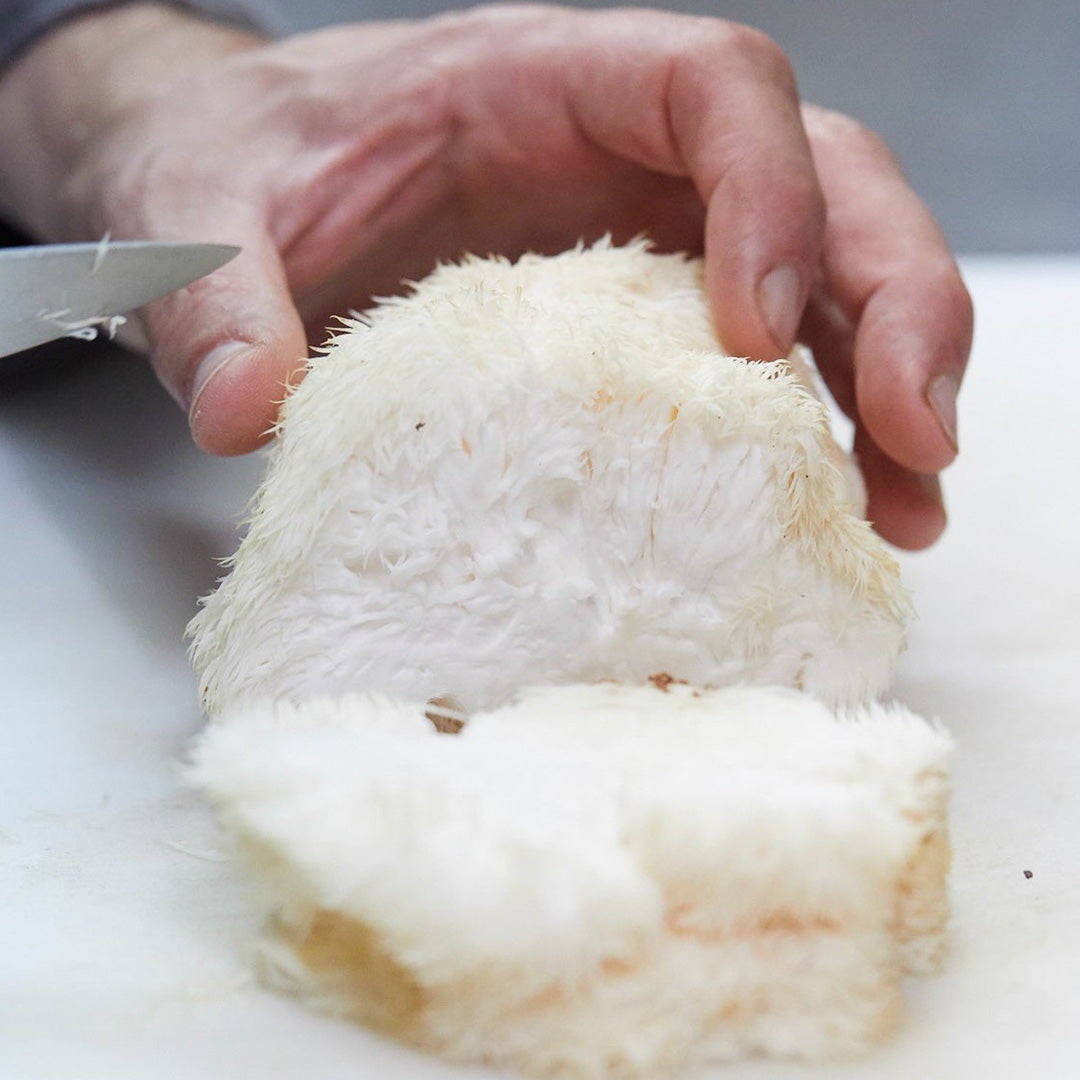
point(51, 290)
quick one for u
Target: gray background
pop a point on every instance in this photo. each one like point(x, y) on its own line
point(979, 99)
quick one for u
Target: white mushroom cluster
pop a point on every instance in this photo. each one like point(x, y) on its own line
point(537, 506)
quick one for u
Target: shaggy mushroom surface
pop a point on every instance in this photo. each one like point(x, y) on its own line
point(542, 688)
point(550, 472)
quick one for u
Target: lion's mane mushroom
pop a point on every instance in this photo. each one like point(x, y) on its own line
point(549, 472)
point(536, 505)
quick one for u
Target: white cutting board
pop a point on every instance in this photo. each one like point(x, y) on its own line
point(123, 927)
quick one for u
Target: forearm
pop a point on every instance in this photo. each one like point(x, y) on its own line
point(66, 91)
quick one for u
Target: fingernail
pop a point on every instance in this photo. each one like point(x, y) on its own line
point(941, 397)
point(211, 365)
point(780, 299)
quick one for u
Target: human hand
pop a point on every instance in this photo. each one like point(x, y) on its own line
point(346, 160)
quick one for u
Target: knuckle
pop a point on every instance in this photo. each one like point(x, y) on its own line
point(843, 130)
point(946, 303)
point(755, 49)
point(806, 192)
point(958, 300)
point(750, 42)
point(716, 45)
point(940, 272)
point(793, 209)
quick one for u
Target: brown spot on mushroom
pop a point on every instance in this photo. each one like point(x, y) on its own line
point(446, 715)
point(662, 681)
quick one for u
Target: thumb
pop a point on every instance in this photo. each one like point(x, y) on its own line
point(228, 346)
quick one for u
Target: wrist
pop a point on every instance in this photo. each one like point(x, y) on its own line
point(66, 95)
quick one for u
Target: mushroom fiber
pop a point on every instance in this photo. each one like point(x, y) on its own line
point(542, 688)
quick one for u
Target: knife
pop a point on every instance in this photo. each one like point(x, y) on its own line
point(53, 290)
